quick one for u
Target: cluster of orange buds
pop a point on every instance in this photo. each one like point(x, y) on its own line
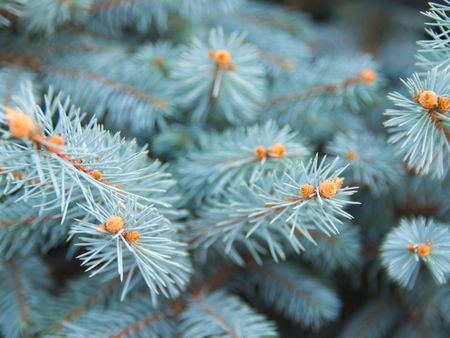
point(421, 249)
point(78, 164)
point(428, 99)
point(222, 58)
point(22, 125)
point(367, 75)
point(114, 224)
point(276, 150)
point(327, 188)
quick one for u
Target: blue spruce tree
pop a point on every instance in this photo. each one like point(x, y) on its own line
point(203, 168)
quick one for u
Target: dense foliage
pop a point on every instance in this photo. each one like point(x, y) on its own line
point(202, 168)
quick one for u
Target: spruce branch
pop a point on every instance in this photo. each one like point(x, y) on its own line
point(275, 213)
point(415, 242)
point(340, 251)
point(57, 14)
point(23, 295)
point(97, 173)
point(295, 294)
point(115, 92)
point(224, 75)
point(135, 318)
point(220, 314)
point(134, 237)
point(278, 34)
point(376, 319)
point(434, 52)
point(349, 84)
point(419, 124)
point(240, 155)
point(371, 161)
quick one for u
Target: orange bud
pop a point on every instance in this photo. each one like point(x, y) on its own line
point(158, 61)
point(96, 174)
point(131, 236)
point(428, 99)
point(423, 249)
point(56, 140)
point(351, 155)
point(410, 247)
point(327, 189)
point(222, 57)
point(277, 150)
point(20, 125)
point(114, 224)
point(368, 75)
point(306, 190)
point(444, 103)
point(260, 153)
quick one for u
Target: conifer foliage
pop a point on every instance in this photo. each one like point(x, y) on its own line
point(200, 168)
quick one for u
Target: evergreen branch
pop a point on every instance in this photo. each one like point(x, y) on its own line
point(114, 84)
point(275, 212)
point(22, 301)
point(219, 314)
point(331, 85)
point(115, 16)
point(136, 317)
point(370, 159)
point(76, 308)
point(337, 251)
point(293, 293)
point(144, 111)
point(226, 71)
point(419, 125)
point(57, 13)
point(277, 33)
point(375, 320)
point(147, 321)
point(241, 155)
point(23, 297)
point(322, 89)
point(415, 242)
point(134, 236)
point(434, 52)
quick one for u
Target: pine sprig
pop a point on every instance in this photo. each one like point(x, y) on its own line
point(218, 314)
point(224, 75)
point(295, 294)
point(419, 124)
point(276, 212)
point(132, 238)
point(434, 52)
point(240, 155)
point(371, 161)
point(24, 294)
point(415, 242)
point(331, 84)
